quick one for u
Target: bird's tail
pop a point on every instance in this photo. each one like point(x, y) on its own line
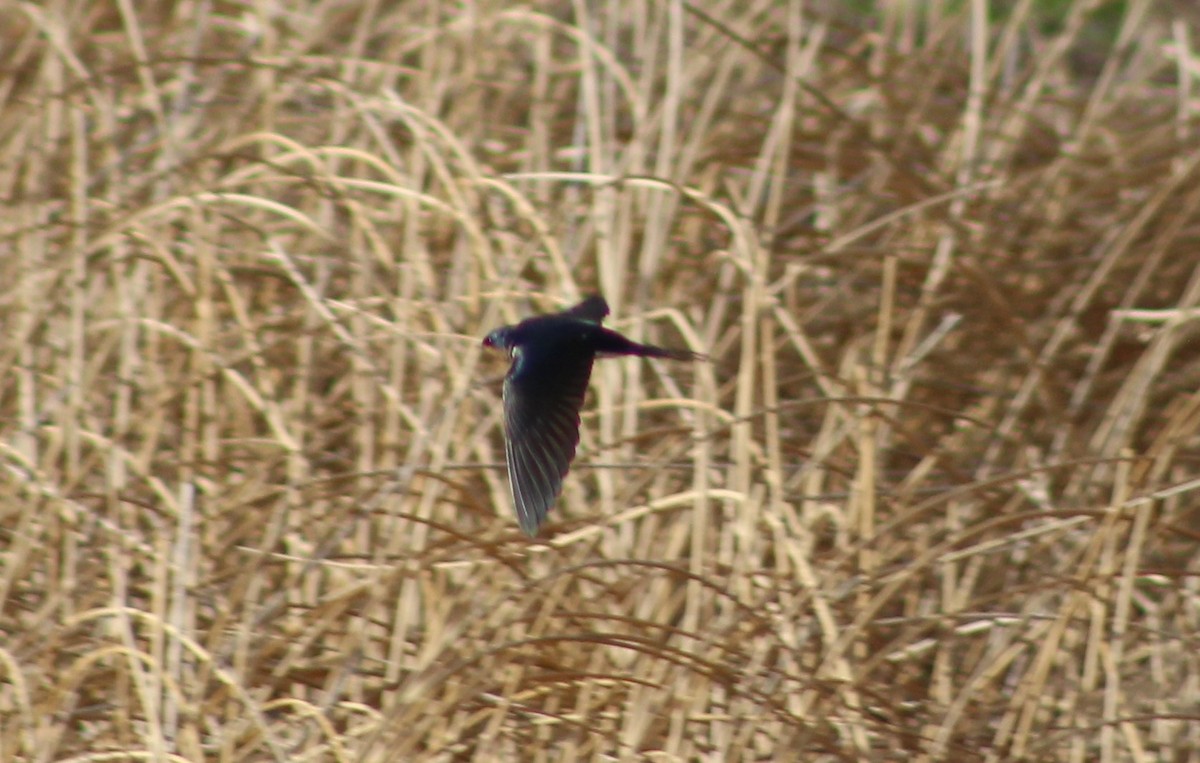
point(609, 343)
point(651, 351)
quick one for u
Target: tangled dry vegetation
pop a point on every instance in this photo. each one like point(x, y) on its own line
point(935, 498)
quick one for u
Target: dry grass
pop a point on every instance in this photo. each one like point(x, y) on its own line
point(937, 497)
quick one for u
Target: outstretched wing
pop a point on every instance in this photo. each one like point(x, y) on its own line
point(543, 393)
point(593, 309)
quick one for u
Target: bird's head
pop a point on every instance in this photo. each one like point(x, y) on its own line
point(500, 339)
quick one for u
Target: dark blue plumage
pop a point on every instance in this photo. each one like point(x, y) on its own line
point(543, 392)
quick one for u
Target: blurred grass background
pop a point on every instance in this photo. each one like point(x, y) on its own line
point(936, 498)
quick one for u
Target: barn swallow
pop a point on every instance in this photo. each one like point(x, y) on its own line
point(543, 391)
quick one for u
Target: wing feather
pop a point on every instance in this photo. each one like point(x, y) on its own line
point(542, 398)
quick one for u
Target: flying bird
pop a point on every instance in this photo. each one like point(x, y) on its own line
point(543, 391)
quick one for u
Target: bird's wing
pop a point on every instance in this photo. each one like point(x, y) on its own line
point(542, 397)
point(593, 309)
